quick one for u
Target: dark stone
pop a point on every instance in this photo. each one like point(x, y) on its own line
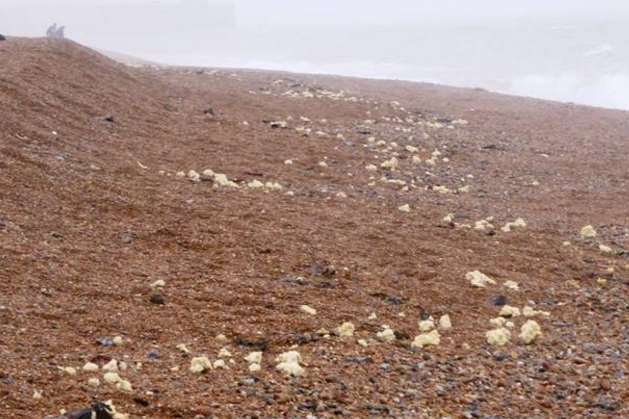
point(109, 118)
point(389, 299)
point(310, 404)
point(301, 339)
point(157, 299)
point(499, 300)
point(127, 238)
point(500, 356)
point(493, 147)
point(106, 342)
point(401, 335)
point(325, 285)
point(378, 409)
point(607, 403)
point(323, 269)
point(358, 360)
point(291, 279)
point(2, 37)
point(277, 124)
point(97, 411)
point(256, 343)
point(5, 379)
point(141, 401)
point(394, 300)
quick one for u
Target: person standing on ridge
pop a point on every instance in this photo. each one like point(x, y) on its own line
point(56, 32)
point(51, 31)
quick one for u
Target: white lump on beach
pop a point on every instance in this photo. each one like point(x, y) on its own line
point(512, 285)
point(93, 382)
point(386, 335)
point(273, 186)
point(426, 339)
point(255, 184)
point(200, 364)
point(605, 249)
point(220, 363)
point(445, 323)
point(483, 225)
point(111, 366)
point(288, 363)
point(345, 330)
point(448, 218)
point(498, 337)
point(69, 370)
point(531, 312)
point(588, 232)
point(442, 189)
point(308, 310)
point(160, 283)
point(124, 385)
point(530, 331)
point(518, 223)
point(221, 179)
point(391, 164)
point(194, 176)
point(224, 353)
point(479, 279)
point(90, 367)
point(183, 348)
point(254, 357)
point(509, 311)
point(111, 377)
point(426, 325)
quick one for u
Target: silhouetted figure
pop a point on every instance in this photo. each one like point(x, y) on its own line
point(56, 32)
point(51, 31)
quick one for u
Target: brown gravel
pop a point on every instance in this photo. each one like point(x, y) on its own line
point(88, 223)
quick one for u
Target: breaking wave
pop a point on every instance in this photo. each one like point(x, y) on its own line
point(607, 90)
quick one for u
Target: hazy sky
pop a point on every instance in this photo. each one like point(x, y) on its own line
point(390, 11)
point(348, 11)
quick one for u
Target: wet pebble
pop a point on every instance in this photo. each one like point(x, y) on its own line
point(157, 299)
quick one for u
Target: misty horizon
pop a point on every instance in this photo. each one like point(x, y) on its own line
point(565, 51)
